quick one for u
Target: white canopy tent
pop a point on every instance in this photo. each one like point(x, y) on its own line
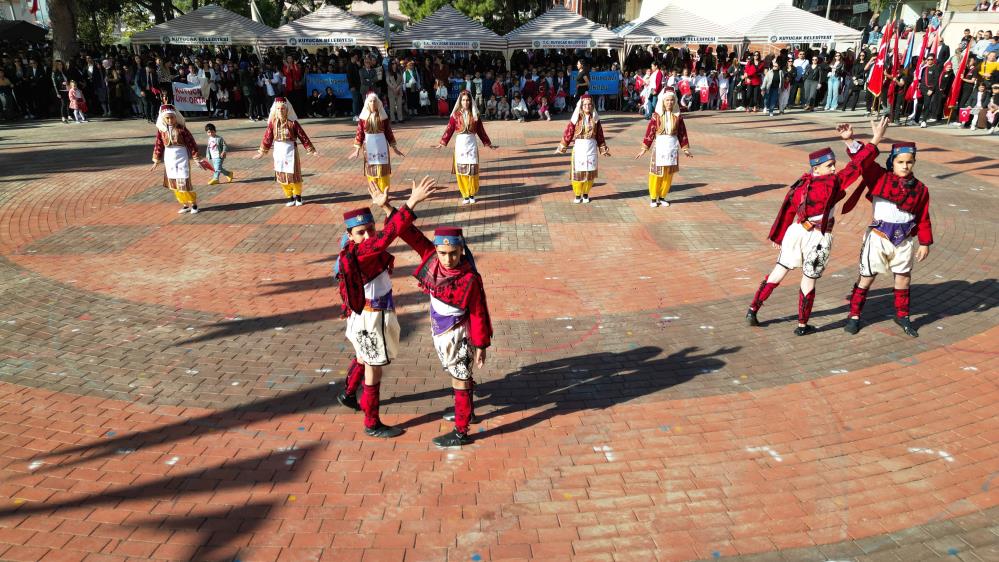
point(208, 25)
point(328, 26)
point(559, 28)
point(675, 25)
point(784, 24)
point(450, 30)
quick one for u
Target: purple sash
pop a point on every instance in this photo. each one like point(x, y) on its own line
point(441, 323)
point(895, 232)
point(384, 302)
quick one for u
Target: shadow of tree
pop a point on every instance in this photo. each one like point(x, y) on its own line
point(218, 528)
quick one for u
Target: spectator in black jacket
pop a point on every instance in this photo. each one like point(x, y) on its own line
point(858, 79)
point(354, 83)
point(929, 91)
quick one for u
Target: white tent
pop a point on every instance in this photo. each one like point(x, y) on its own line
point(209, 25)
point(785, 24)
point(449, 30)
point(328, 26)
point(559, 28)
point(675, 25)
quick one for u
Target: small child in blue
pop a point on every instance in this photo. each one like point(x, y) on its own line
point(216, 153)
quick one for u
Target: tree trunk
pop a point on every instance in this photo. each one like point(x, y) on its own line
point(62, 14)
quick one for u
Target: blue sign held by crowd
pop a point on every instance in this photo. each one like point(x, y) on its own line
point(322, 81)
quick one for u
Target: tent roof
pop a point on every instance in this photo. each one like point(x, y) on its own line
point(328, 26)
point(787, 24)
point(207, 22)
point(675, 25)
point(448, 24)
point(21, 30)
point(561, 28)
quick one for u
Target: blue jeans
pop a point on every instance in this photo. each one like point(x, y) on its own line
point(219, 170)
point(832, 95)
point(650, 106)
point(355, 98)
point(772, 99)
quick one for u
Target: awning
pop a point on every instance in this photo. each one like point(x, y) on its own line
point(447, 29)
point(20, 30)
point(209, 25)
point(559, 28)
point(328, 26)
point(785, 24)
point(674, 25)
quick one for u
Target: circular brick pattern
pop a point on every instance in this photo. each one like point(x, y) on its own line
point(182, 365)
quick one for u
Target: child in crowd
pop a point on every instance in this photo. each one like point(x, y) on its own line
point(223, 101)
point(77, 102)
point(491, 108)
point(477, 84)
point(217, 151)
point(424, 102)
point(559, 103)
point(442, 108)
point(543, 112)
point(502, 109)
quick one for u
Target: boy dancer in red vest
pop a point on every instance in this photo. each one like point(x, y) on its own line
point(365, 285)
point(899, 235)
point(459, 316)
point(803, 229)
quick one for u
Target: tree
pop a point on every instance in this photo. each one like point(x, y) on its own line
point(62, 14)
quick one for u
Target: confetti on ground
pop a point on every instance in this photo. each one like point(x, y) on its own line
point(766, 449)
point(607, 451)
point(172, 461)
point(942, 454)
point(35, 465)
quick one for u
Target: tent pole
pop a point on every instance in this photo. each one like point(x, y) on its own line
point(385, 20)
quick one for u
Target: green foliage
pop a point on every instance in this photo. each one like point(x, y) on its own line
point(501, 16)
point(419, 9)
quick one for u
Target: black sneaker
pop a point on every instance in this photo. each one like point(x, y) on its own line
point(452, 439)
point(852, 325)
point(751, 318)
point(907, 326)
point(804, 330)
point(383, 431)
point(348, 401)
point(449, 416)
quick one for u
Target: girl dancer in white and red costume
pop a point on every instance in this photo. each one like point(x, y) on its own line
point(586, 135)
point(466, 123)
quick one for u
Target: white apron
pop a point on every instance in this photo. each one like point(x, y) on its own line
point(584, 155)
point(377, 148)
point(466, 149)
point(667, 150)
point(178, 166)
point(284, 157)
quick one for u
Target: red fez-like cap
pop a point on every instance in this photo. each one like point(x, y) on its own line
point(279, 99)
point(819, 153)
point(356, 213)
point(907, 144)
point(447, 231)
point(167, 107)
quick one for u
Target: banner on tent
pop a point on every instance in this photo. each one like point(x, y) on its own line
point(188, 98)
point(196, 40)
point(564, 43)
point(688, 39)
point(328, 41)
point(442, 44)
point(322, 81)
point(800, 38)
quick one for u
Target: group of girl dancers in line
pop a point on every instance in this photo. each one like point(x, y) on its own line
point(176, 148)
point(898, 237)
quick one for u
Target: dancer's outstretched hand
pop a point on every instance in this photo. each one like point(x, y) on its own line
point(922, 252)
point(354, 154)
point(421, 192)
point(641, 153)
point(879, 128)
point(397, 151)
point(845, 131)
point(153, 167)
point(258, 156)
point(378, 197)
point(480, 357)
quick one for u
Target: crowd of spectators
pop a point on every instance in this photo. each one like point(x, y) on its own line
point(236, 82)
